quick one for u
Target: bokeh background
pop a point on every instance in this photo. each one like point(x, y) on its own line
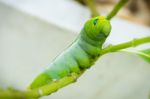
point(137, 11)
point(34, 32)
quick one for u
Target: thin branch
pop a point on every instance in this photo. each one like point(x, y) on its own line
point(132, 43)
point(42, 91)
point(54, 86)
point(92, 6)
point(116, 9)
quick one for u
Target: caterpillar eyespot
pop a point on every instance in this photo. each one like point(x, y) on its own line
point(95, 21)
point(78, 57)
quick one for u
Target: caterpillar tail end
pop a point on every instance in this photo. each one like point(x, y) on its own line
point(39, 81)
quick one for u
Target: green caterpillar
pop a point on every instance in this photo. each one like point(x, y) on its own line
point(80, 55)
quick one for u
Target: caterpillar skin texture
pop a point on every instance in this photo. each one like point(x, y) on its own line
point(80, 55)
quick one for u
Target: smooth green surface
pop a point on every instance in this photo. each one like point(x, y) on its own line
point(76, 59)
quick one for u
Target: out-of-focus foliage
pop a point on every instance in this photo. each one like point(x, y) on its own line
point(145, 54)
point(137, 11)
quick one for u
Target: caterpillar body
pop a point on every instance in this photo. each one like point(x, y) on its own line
point(80, 55)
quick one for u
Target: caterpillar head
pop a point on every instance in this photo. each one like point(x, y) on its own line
point(97, 28)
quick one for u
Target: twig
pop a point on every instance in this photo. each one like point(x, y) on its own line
point(50, 88)
point(116, 9)
point(42, 91)
point(132, 43)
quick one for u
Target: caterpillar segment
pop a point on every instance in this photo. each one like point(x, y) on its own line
point(80, 55)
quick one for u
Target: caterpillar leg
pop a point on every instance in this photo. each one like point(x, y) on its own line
point(40, 80)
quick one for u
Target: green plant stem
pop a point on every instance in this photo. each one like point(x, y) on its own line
point(50, 88)
point(116, 9)
point(92, 6)
point(132, 43)
point(42, 91)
